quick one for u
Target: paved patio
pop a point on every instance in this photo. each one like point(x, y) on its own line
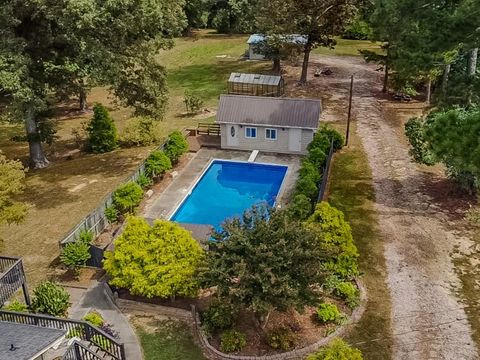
point(162, 205)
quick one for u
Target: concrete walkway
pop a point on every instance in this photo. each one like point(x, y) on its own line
point(95, 299)
point(163, 205)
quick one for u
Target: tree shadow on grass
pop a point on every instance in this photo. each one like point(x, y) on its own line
point(66, 181)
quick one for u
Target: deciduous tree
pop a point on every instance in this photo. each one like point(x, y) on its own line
point(319, 20)
point(63, 46)
point(265, 261)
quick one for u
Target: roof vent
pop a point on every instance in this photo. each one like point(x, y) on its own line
point(238, 75)
point(257, 77)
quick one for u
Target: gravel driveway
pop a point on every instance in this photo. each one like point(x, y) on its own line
point(429, 321)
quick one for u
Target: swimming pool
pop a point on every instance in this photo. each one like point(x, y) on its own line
point(227, 189)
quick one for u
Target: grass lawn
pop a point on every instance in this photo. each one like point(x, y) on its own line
point(62, 194)
point(351, 190)
point(166, 340)
point(347, 47)
point(65, 192)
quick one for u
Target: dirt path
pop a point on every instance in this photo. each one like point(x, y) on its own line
point(428, 320)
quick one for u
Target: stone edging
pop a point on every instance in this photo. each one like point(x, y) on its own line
point(214, 354)
point(300, 353)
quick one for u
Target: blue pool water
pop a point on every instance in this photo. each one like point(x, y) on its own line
point(229, 188)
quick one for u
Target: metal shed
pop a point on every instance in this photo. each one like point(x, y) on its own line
point(256, 85)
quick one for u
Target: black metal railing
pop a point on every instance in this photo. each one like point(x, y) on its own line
point(325, 173)
point(78, 351)
point(79, 329)
point(12, 278)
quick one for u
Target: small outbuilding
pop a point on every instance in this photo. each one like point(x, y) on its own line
point(256, 85)
point(278, 125)
point(256, 39)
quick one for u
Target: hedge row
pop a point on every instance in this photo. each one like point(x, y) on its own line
point(311, 171)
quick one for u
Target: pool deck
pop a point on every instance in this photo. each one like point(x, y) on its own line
point(163, 205)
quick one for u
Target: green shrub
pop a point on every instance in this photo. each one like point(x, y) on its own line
point(139, 131)
point(157, 164)
point(219, 316)
point(94, 318)
point(320, 141)
point(318, 158)
point(127, 197)
point(331, 283)
point(51, 299)
point(301, 207)
point(144, 181)
point(329, 313)
point(75, 255)
point(337, 350)
point(358, 29)
point(101, 130)
point(17, 306)
point(175, 146)
point(112, 214)
point(281, 338)
point(323, 137)
point(160, 260)
point(232, 341)
point(348, 292)
point(85, 236)
point(335, 236)
point(419, 148)
point(308, 169)
point(332, 134)
point(192, 102)
point(308, 187)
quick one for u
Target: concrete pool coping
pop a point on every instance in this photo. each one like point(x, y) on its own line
point(207, 167)
point(164, 204)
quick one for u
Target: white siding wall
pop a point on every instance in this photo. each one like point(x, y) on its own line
point(252, 55)
point(260, 143)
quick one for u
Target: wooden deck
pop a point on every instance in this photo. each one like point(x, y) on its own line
point(195, 143)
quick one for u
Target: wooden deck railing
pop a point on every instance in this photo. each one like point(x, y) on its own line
point(80, 329)
point(208, 129)
point(12, 278)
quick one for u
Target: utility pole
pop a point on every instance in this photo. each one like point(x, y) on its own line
point(349, 112)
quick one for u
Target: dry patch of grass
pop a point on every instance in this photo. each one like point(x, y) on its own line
point(74, 184)
point(351, 190)
point(166, 339)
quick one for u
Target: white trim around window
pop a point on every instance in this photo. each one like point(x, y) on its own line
point(271, 134)
point(251, 132)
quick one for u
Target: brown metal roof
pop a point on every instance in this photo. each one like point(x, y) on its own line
point(259, 110)
point(256, 79)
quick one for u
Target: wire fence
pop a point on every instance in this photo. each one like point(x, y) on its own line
point(325, 174)
point(96, 222)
